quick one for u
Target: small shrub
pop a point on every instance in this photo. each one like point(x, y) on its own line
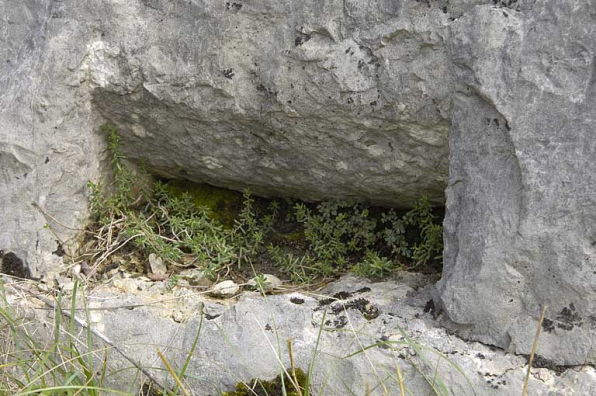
point(430, 246)
point(374, 266)
point(300, 269)
point(339, 231)
point(338, 235)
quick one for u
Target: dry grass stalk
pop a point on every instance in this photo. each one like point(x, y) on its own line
point(293, 367)
point(84, 325)
point(534, 348)
point(400, 381)
point(172, 372)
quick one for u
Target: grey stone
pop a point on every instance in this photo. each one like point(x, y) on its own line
point(239, 341)
point(296, 98)
point(48, 149)
point(156, 264)
point(195, 277)
point(520, 230)
point(334, 100)
point(126, 285)
point(224, 289)
point(328, 99)
point(291, 98)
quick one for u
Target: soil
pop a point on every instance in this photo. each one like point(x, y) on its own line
point(12, 265)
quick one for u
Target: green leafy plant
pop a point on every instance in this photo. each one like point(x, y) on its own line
point(300, 268)
point(337, 229)
point(393, 234)
point(338, 235)
point(430, 246)
point(170, 225)
point(105, 209)
point(338, 232)
point(374, 266)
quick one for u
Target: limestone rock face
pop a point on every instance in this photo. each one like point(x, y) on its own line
point(301, 98)
point(48, 149)
point(243, 340)
point(521, 206)
point(341, 98)
point(305, 98)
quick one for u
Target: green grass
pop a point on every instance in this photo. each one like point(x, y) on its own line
point(65, 367)
point(65, 362)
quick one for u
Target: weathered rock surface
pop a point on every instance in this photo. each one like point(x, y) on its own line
point(521, 206)
point(48, 149)
point(298, 98)
point(239, 341)
point(329, 99)
point(224, 289)
point(291, 98)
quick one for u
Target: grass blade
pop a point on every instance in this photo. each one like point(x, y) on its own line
point(192, 349)
point(534, 348)
point(311, 365)
point(172, 373)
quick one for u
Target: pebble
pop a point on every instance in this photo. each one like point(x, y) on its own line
point(126, 285)
point(156, 264)
point(271, 282)
point(224, 289)
point(178, 316)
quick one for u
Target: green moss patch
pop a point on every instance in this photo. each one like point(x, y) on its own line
point(275, 387)
point(224, 205)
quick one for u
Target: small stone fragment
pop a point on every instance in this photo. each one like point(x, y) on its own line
point(127, 285)
point(158, 277)
point(95, 316)
point(156, 264)
point(224, 289)
point(86, 268)
point(178, 316)
point(195, 277)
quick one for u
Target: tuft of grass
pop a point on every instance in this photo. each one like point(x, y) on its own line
point(65, 367)
point(374, 266)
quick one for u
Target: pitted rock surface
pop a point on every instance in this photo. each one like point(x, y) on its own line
point(520, 229)
point(239, 341)
point(308, 99)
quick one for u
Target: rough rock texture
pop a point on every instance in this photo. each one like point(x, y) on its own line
point(239, 341)
point(327, 99)
point(300, 98)
point(47, 148)
point(306, 98)
point(521, 208)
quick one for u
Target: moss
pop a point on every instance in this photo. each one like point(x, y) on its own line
point(292, 238)
point(269, 388)
point(297, 236)
point(223, 204)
